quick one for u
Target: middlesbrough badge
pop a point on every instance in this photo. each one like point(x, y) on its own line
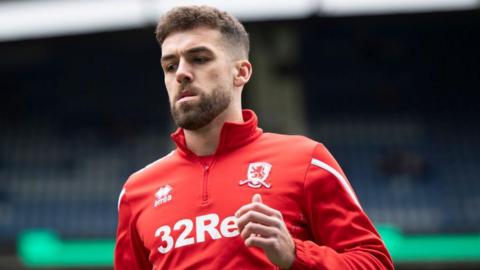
point(257, 175)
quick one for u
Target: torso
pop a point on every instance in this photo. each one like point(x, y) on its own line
point(190, 223)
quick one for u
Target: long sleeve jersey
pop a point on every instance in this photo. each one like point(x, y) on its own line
point(178, 212)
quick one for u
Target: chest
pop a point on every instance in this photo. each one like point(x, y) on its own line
point(195, 202)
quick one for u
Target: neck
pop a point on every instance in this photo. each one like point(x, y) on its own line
point(204, 141)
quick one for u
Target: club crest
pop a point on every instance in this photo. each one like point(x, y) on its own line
point(257, 175)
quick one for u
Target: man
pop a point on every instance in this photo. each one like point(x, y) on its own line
point(230, 196)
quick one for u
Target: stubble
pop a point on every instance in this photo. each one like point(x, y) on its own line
point(195, 115)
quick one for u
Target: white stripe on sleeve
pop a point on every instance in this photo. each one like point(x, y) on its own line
point(339, 176)
point(120, 198)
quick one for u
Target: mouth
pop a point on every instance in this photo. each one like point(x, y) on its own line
point(186, 95)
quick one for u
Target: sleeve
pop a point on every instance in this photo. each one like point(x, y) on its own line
point(129, 253)
point(344, 237)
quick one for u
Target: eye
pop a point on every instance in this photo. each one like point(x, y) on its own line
point(170, 67)
point(200, 59)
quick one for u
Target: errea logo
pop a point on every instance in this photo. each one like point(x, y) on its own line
point(163, 195)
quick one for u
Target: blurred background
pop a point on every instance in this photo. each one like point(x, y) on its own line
point(392, 88)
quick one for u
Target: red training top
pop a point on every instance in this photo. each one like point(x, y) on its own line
point(178, 212)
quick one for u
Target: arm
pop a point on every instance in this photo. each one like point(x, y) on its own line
point(129, 252)
point(344, 237)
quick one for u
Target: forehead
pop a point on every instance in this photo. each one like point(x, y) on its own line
point(178, 42)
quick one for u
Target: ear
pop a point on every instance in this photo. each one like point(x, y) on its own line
point(243, 71)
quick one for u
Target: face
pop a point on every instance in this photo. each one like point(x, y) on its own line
point(198, 76)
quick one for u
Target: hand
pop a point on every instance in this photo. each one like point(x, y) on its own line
point(263, 227)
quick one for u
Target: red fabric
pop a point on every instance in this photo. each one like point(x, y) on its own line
point(178, 214)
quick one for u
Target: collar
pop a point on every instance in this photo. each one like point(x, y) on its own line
point(232, 135)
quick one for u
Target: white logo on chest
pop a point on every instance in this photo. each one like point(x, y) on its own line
point(257, 175)
point(195, 231)
point(163, 195)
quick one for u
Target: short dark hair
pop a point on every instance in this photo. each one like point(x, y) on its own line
point(187, 18)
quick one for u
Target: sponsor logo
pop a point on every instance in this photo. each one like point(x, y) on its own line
point(163, 195)
point(195, 231)
point(257, 175)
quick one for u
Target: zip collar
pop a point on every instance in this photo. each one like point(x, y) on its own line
point(232, 135)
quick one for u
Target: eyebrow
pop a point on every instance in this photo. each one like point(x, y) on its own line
point(193, 50)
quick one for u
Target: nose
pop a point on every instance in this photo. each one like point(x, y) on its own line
point(184, 72)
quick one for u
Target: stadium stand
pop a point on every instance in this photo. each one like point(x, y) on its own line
point(394, 98)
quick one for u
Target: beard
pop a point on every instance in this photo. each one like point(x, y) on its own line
point(195, 115)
